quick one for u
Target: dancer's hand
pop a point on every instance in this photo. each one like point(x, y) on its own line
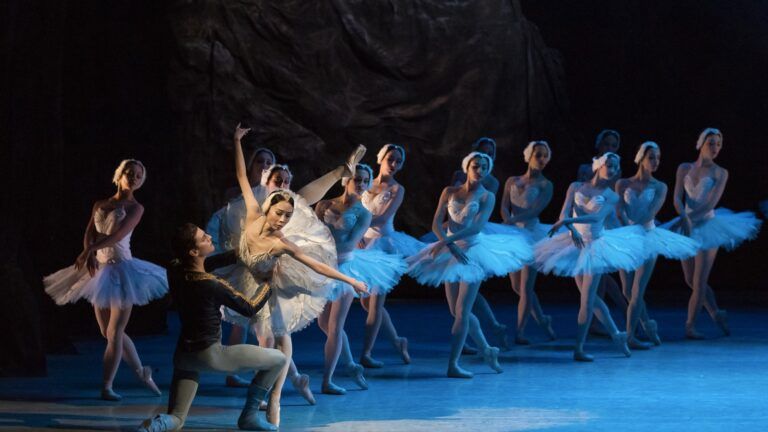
point(458, 253)
point(686, 226)
point(578, 241)
point(360, 287)
point(240, 132)
point(87, 260)
point(555, 227)
point(436, 248)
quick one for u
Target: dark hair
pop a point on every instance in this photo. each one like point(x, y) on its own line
point(606, 132)
point(183, 241)
point(279, 197)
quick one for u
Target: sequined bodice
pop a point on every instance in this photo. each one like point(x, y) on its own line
point(107, 222)
point(697, 193)
point(522, 197)
point(259, 264)
point(376, 204)
point(639, 204)
point(583, 205)
point(460, 213)
point(339, 222)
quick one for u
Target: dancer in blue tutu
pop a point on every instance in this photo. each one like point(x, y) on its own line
point(699, 186)
point(587, 250)
point(383, 199)
point(463, 257)
point(641, 197)
point(107, 275)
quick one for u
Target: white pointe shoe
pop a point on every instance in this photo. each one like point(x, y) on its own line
point(145, 376)
point(354, 159)
point(620, 340)
point(491, 357)
point(301, 384)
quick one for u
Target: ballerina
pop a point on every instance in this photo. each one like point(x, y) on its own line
point(112, 280)
point(279, 241)
point(383, 200)
point(523, 199)
point(699, 186)
point(641, 197)
point(198, 296)
point(587, 250)
point(348, 220)
point(463, 257)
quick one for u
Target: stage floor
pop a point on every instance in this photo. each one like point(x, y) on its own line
point(711, 385)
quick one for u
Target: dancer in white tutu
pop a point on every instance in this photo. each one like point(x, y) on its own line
point(464, 256)
point(698, 188)
point(383, 200)
point(108, 276)
point(587, 250)
point(279, 241)
point(348, 220)
point(641, 197)
point(523, 199)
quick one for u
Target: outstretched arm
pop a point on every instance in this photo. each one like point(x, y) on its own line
point(319, 267)
point(252, 208)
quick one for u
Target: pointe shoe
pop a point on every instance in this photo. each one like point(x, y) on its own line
point(273, 412)
point(332, 389)
point(652, 330)
point(721, 319)
point(402, 346)
point(145, 375)
point(301, 384)
point(355, 372)
point(638, 345)
point(236, 381)
point(501, 337)
point(468, 350)
point(546, 324)
point(692, 333)
point(620, 340)
point(456, 371)
point(521, 340)
point(159, 423)
point(354, 159)
point(491, 357)
point(581, 356)
point(109, 395)
point(369, 362)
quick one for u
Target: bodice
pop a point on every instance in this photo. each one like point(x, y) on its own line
point(583, 205)
point(107, 222)
point(376, 204)
point(460, 213)
point(259, 264)
point(639, 204)
point(522, 197)
point(696, 193)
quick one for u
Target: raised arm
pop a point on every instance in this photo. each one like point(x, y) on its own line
point(252, 208)
point(295, 252)
point(390, 207)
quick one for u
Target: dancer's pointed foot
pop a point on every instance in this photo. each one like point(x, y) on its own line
point(236, 381)
point(456, 371)
point(354, 159)
point(652, 330)
point(521, 340)
point(692, 333)
point(721, 319)
point(355, 372)
point(620, 340)
point(401, 345)
point(145, 376)
point(332, 389)
point(301, 384)
point(469, 350)
point(500, 331)
point(108, 394)
point(491, 357)
point(581, 356)
point(638, 345)
point(159, 423)
point(371, 363)
point(273, 411)
point(546, 325)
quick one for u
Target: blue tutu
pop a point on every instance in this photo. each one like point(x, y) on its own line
point(379, 270)
point(722, 228)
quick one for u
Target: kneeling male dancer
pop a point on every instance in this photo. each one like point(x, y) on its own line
point(199, 296)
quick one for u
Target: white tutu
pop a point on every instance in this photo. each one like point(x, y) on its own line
point(379, 270)
point(489, 255)
point(615, 249)
point(395, 242)
point(131, 282)
point(298, 293)
point(661, 241)
point(724, 229)
point(533, 232)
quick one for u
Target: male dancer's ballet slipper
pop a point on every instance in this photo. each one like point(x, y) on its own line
point(109, 395)
point(546, 325)
point(236, 381)
point(355, 371)
point(301, 384)
point(332, 389)
point(145, 375)
point(369, 362)
point(620, 340)
point(491, 357)
point(401, 345)
point(456, 371)
point(250, 419)
point(721, 319)
point(354, 159)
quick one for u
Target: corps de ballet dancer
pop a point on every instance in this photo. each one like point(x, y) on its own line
point(383, 199)
point(280, 239)
point(641, 197)
point(348, 221)
point(463, 257)
point(199, 296)
point(587, 250)
point(699, 186)
point(523, 199)
point(107, 275)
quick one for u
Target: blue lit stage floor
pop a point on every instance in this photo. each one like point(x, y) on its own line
point(716, 384)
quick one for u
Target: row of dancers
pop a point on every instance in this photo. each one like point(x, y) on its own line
point(295, 263)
